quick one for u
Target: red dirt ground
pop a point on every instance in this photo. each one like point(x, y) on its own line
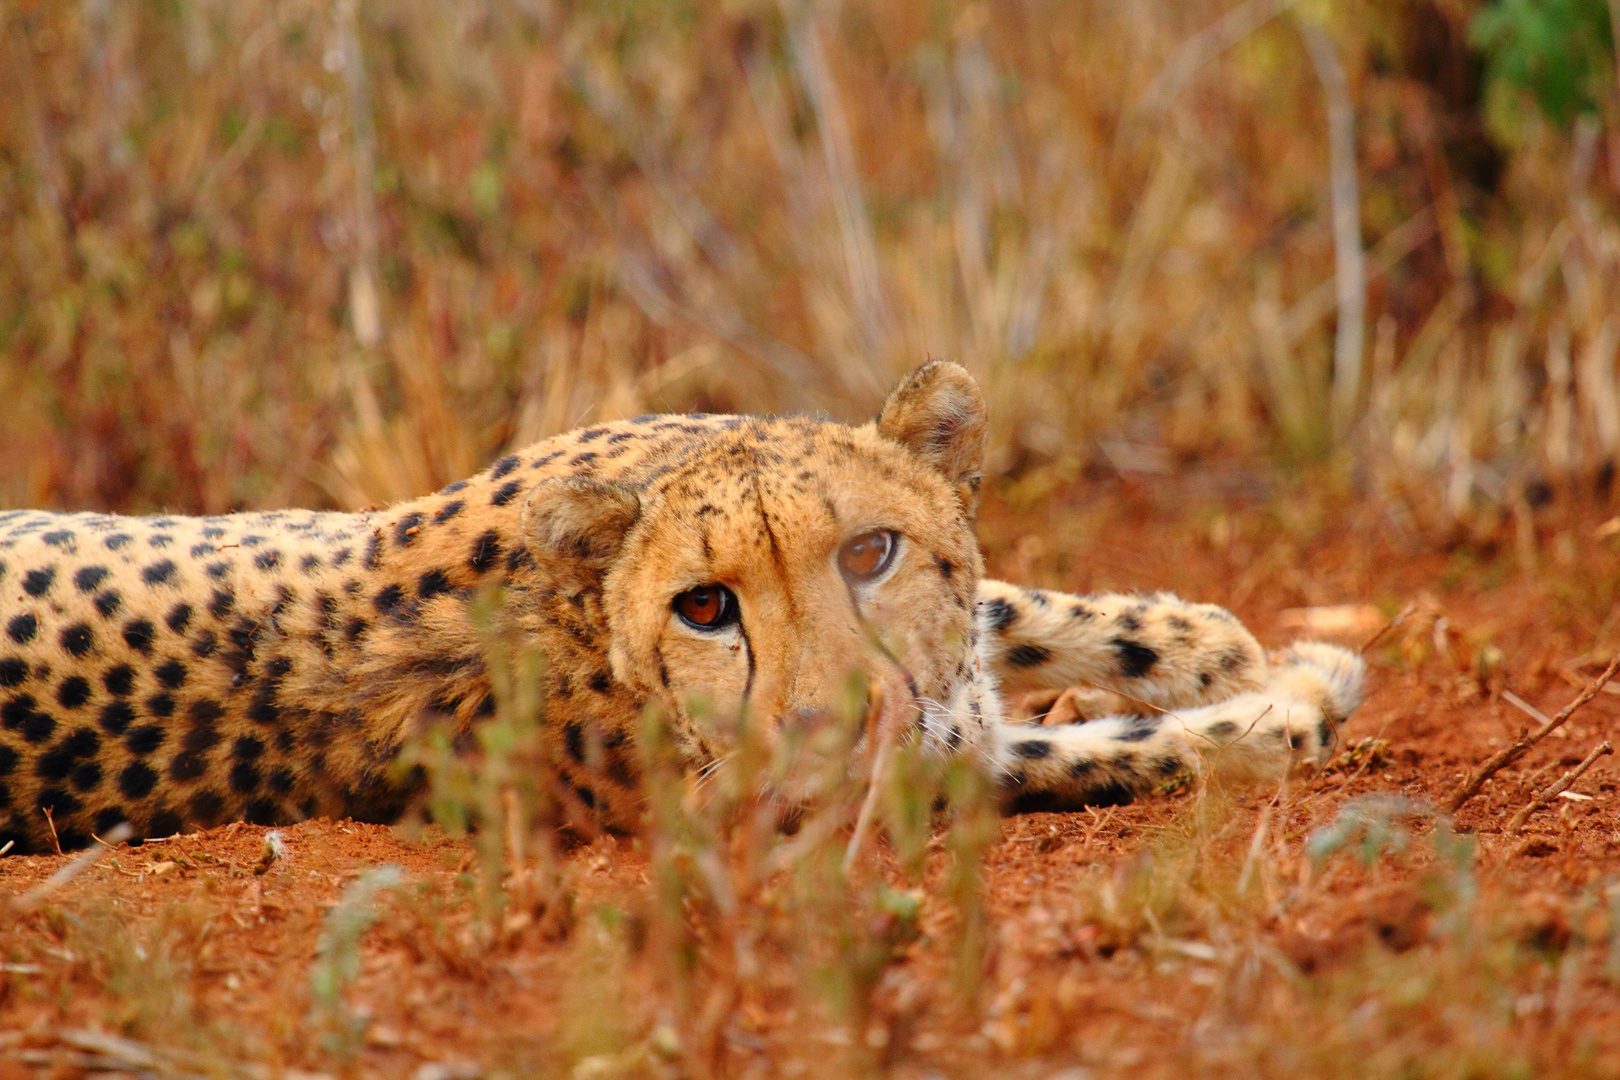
point(1065, 987)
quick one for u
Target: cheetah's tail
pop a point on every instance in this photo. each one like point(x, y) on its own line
point(1310, 689)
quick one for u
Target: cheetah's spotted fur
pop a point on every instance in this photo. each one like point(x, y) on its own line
point(177, 671)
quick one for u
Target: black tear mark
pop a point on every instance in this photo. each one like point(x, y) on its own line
point(1135, 659)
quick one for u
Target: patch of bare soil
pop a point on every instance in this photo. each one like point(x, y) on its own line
point(1192, 930)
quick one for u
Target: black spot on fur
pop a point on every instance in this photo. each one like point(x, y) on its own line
point(505, 492)
point(1032, 749)
point(1128, 621)
point(58, 538)
point(38, 582)
point(1135, 659)
point(998, 614)
point(204, 646)
point(22, 628)
point(145, 739)
point(432, 584)
point(78, 640)
point(61, 804)
point(574, 740)
point(267, 560)
point(119, 679)
point(601, 682)
point(388, 598)
point(448, 511)
point(188, 766)
point(263, 708)
point(1026, 656)
point(171, 673)
point(179, 618)
point(109, 818)
point(221, 602)
point(116, 541)
point(485, 551)
point(13, 672)
point(73, 692)
point(89, 578)
point(116, 716)
point(137, 780)
point(206, 806)
point(108, 603)
point(138, 635)
point(1233, 660)
point(1139, 729)
point(1225, 729)
point(160, 706)
point(402, 529)
point(373, 551)
point(503, 466)
point(1165, 766)
point(245, 777)
point(163, 822)
point(946, 567)
point(159, 572)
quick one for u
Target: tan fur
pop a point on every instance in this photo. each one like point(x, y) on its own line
point(176, 672)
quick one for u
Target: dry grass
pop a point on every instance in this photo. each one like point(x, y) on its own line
point(306, 252)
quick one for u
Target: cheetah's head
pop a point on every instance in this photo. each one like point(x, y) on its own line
point(750, 584)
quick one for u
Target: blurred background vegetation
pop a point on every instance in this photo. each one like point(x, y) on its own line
point(335, 252)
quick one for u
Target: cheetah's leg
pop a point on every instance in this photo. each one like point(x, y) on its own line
point(1308, 690)
point(1124, 654)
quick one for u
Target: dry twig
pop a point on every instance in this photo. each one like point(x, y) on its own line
point(1507, 756)
point(1405, 613)
point(1542, 801)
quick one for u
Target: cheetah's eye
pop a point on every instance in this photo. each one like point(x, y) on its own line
point(707, 607)
point(864, 557)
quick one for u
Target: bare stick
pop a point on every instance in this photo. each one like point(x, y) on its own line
point(1542, 801)
point(1350, 274)
point(881, 730)
point(1405, 613)
point(1204, 46)
point(82, 862)
point(1507, 756)
point(1525, 707)
point(51, 823)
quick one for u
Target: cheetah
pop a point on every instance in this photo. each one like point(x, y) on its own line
point(178, 672)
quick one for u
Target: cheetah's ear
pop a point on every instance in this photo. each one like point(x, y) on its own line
point(938, 413)
point(575, 527)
